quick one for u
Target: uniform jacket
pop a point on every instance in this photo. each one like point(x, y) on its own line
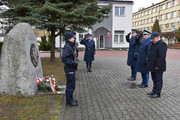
point(157, 57)
point(131, 61)
point(90, 50)
point(144, 46)
point(68, 57)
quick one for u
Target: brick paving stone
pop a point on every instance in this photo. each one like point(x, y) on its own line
point(105, 94)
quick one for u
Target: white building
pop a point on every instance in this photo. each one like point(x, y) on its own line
point(111, 32)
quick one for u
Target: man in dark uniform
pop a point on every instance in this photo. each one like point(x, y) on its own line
point(131, 61)
point(89, 52)
point(144, 46)
point(156, 64)
point(69, 68)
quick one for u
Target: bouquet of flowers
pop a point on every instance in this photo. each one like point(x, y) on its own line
point(49, 84)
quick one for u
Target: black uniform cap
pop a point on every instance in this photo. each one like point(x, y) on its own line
point(134, 30)
point(88, 35)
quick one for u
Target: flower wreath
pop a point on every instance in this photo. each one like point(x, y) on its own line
point(48, 84)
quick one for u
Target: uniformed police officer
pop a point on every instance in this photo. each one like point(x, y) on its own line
point(144, 46)
point(69, 68)
point(132, 58)
point(89, 52)
point(156, 63)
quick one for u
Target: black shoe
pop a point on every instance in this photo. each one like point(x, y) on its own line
point(142, 86)
point(72, 104)
point(150, 93)
point(131, 79)
point(90, 70)
point(75, 100)
point(155, 96)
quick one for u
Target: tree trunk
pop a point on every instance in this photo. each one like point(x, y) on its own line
point(52, 58)
point(60, 49)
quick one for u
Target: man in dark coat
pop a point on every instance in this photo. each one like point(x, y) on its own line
point(156, 64)
point(144, 46)
point(69, 68)
point(89, 52)
point(131, 60)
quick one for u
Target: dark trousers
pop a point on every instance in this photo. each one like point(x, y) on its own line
point(145, 78)
point(157, 82)
point(88, 65)
point(133, 72)
point(70, 86)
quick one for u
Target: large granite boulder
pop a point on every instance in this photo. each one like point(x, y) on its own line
point(20, 62)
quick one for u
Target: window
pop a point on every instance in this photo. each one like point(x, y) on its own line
point(174, 14)
point(152, 19)
point(146, 13)
point(139, 15)
point(174, 2)
point(153, 10)
point(167, 26)
point(136, 24)
point(141, 22)
point(168, 16)
point(82, 36)
point(168, 4)
point(162, 17)
point(163, 7)
point(141, 29)
point(149, 20)
point(119, 11)
point(118, 36)
point(142, 14)
point(157, 9)
point(122, 10)
point(173, 25)
point(157, 17)
point(148, 28)
point(162, 27)
point(149, 12)
point(145, 21)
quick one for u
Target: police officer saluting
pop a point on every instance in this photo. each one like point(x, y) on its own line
point(89, 52)
point(131, 61)
point(144, 46)
point(69, 68)
point(156, 64)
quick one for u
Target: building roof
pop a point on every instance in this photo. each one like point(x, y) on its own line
point(150, 6)
point(117, 1)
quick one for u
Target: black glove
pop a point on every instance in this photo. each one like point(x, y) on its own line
point(127, 37)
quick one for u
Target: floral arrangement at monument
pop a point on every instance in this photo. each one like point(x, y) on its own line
point(49, 84)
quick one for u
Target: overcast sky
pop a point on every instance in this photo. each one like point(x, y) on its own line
point(143, 3)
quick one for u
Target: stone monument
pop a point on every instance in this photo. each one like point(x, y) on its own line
point(20, 62)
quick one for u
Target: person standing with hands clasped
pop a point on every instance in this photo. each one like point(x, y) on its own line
point(156, 64)
point(89, 52)
point(70, 67)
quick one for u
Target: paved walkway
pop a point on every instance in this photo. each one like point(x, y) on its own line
point(105, 94)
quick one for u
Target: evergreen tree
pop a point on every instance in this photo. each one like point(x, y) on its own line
point(156, 27)
point(178, 35)
point(55, 16)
